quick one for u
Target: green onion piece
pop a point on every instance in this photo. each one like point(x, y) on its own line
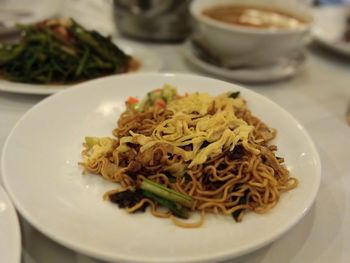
point(167, 193)
point(234, 95)
point(82, 62)
point(175, 208)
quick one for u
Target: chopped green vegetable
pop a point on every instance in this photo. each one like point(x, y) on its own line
point(167, 193)
point(175, 208)
point(168, 93)
point(60, 51)
point(234, 95)
point(128, 198)
point(9, 53)
point(242, 201)
point(159, 97)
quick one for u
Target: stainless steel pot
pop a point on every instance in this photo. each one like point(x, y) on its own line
point(162, 20)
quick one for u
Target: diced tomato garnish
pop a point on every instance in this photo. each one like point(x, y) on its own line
point(132, 100)
point(160, 103)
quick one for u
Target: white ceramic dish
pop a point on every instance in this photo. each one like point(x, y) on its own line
point(13, 12)
point(49, 190)
point(150, 62)
point(329, 27)
point(283, 68)
point(241, 45)
point(10, 238)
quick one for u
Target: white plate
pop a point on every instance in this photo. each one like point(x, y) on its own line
point(150, 62)
point(329, 27)
point(10, 238)
point(284, 68)
point(40, 171)
point(13, 12)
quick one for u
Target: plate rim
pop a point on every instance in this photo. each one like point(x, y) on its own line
point(13, 217)
point(223, 255)
point(235, 73)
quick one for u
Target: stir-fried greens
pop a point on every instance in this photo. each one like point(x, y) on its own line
point(60, 51)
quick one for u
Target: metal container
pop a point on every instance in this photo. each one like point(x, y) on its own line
point(160, 20)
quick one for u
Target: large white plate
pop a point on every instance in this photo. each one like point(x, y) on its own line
point(329, 27)
point(10, 238)
point(149, 62)
point(40, 171)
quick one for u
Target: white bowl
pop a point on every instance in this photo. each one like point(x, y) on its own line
point(236, 45)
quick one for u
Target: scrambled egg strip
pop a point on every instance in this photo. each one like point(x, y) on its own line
point(193, 124)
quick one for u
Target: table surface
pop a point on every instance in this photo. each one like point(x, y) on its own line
point(318, 97)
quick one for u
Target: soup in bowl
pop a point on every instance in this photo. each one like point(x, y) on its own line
point(255, 16)
point(250, 31)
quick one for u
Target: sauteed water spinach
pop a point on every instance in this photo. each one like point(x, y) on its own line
point(60, 51)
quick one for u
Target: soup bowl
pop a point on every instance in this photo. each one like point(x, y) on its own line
point(235, 44)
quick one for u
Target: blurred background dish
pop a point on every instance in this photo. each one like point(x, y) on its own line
point(332, 28)
point(148, 62)
point(10, 238)
point(160, 20)
point(259, 35)
point(61, 51)
point(13, 12)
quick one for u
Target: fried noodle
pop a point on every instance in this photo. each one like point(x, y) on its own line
point(209, 148)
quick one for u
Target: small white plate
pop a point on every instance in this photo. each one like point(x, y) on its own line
point(284, 68)
point(10, 238)
point(329, 27)
point(149, 62)
point(14, 12)
point(41, 173)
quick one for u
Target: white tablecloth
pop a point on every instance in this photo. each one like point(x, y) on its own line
point(318, 97)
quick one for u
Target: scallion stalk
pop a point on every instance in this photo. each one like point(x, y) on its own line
point(176, 209)
point(167, 193)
